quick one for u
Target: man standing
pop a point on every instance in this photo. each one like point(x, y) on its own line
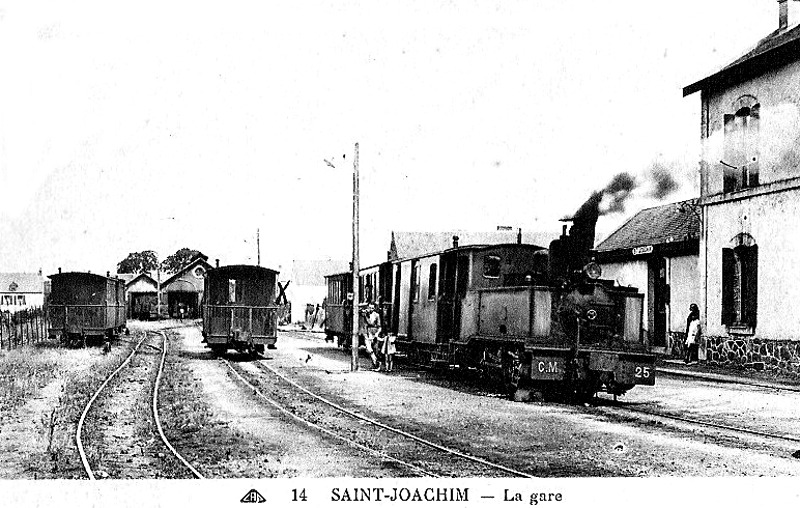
point(373, 327)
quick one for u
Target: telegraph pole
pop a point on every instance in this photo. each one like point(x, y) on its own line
point(258, 246)
point(354, 341)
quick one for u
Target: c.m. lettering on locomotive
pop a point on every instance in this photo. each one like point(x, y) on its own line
point(548, 367)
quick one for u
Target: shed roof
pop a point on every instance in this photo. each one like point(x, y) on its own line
point(410, 244)
point(197, 260)
point(22, 282)
point(668, 223)
point(776, 49)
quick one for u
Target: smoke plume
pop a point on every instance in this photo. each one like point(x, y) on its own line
point(610, 199)
point(663, 184)
point(617, 192)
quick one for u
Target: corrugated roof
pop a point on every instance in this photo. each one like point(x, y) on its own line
point(673, 222)
point(410, 244)
point(24, 282)
point(307, 272)
point(773, 50)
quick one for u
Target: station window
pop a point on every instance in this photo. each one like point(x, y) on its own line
point(20, 299)
point(491, 266)
point(740, 286)
point(740, 168)
point(432, 283)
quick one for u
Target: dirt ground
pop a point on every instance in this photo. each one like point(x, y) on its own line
point(551, 439)
point(226, 431)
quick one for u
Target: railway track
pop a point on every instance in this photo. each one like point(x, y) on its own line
point(398, 446)
point(610, 408)
point(131, 392)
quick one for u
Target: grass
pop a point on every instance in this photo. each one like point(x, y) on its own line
point(52, 452)
point(23, 372)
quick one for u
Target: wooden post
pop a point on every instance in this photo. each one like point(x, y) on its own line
point(354, 342)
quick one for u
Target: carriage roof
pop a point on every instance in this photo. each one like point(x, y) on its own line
point(78, 275)
point(241, 269)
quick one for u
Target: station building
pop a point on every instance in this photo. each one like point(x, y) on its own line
point(656, 251)
point(20, 291)
point(750, 202)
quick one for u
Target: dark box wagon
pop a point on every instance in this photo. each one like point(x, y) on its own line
point(239, 310)
point(85, 307)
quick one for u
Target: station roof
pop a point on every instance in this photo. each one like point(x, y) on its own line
point(21, 283)
point(778, 48)
point(673, 222)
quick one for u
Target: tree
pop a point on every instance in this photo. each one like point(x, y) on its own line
point(138, 262)
point(181, 258)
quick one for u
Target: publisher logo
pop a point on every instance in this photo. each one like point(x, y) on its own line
point(253, 497)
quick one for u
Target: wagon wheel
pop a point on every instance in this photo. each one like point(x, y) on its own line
point(512, 371)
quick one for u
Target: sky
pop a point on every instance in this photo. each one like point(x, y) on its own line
point(162, 125)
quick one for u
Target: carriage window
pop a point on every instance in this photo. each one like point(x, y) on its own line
point(368, 293)
point(21, 300)
point(432, 283)
point(415, 278)
point(232, 291)
point(491, 266)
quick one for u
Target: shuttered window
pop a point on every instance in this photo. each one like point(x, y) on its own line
point(740, 153)
point(740, 286)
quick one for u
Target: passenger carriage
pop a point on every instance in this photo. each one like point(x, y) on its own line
point(239, 309)
point(375, 289)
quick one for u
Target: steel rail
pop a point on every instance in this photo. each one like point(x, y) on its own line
point(328, 432)
point(709, 424)
point(401, 432)
point(78, 440)
point(157, 420)
point(156, 385)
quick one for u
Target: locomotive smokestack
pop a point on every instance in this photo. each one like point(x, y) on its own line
point(455, 241)
point(519, 236)
point(108, 273)
point(59, 269)
point(217, 262)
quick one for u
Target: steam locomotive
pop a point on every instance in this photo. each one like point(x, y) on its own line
point(530, 318)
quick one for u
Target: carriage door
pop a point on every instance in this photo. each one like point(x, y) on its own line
point(659, 301)
point(452, 287)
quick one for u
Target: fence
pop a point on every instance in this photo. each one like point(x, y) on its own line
point(22, 327)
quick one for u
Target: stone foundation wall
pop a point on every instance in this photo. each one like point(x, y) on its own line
point(677, 346)
point(780, 356)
